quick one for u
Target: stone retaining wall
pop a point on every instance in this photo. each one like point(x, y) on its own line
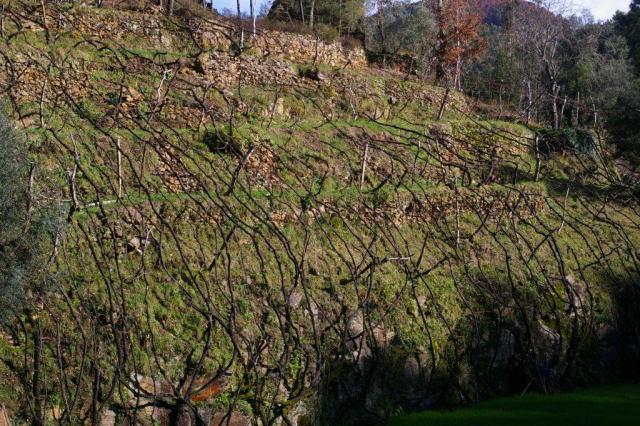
point(211, 31)
point(297, 48)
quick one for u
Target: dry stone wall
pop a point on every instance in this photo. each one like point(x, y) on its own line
point(302, 48)
point(212, 32)
point(105, 24)
point(297, 48)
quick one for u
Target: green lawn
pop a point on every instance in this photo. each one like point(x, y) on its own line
point(607, 406)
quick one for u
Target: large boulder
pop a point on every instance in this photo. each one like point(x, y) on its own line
point(234, 418)
point(4, 417)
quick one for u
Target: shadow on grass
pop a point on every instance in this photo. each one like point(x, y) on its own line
point(610, 406)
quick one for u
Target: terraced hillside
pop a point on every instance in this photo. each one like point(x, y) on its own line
point(262, 234)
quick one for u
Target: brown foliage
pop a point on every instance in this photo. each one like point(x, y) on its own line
point(458, 37)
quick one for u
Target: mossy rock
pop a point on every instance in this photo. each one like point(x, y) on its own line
point(311, 72)
point(570, 139)
point(222, 142)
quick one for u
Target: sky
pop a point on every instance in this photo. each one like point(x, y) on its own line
point(601, 9)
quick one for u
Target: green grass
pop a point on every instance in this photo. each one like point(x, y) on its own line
point(610, 406)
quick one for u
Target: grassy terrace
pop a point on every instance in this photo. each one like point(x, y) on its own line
point(198, 202)
point(612, 406)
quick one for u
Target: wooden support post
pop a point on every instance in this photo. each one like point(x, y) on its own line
point(538, 164)
point(119, 165)
point(364, 165)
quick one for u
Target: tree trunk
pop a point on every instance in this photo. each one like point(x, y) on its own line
point(380, 24)
point(555, 90)
point(459, 73)
point(312, 14)
point(180, 416)
point(240, 24)
point(441, 71)
point(564, 104)
point(340, 20)
point(253, 16)
point(38, 395)
point(538, 162)
point(578, 110)
point(529, 101)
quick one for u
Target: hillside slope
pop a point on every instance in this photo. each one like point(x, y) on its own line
point(254, 234)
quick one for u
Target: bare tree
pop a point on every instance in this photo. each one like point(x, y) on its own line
point(253, 16)
point(240, 26)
